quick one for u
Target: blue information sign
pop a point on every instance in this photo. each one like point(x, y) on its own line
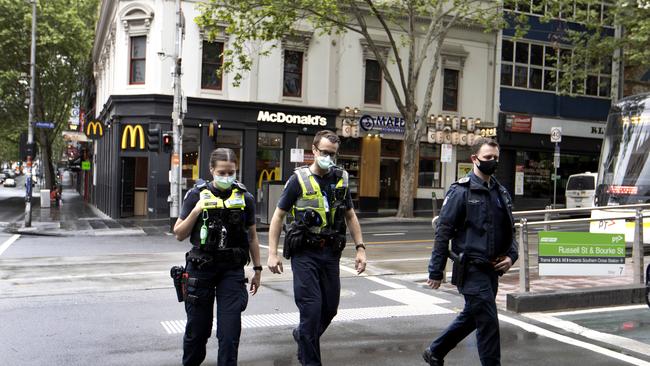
point(44, 124)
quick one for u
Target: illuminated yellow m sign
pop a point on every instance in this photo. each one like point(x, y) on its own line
point(134, 133)
point(94, 129)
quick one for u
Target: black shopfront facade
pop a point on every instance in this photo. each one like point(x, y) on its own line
point(133, 181)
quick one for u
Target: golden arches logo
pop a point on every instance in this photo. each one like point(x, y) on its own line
point(97, 129)
point(133, 132)
point(270, 174)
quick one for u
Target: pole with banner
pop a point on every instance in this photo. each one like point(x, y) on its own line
point(556, 137)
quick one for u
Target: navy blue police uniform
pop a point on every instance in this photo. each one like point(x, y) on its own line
point(216, 270)
point(477, 217)
point(316, 281)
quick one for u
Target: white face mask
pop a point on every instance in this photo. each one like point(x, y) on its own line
point(224, 182)
point(324, 162)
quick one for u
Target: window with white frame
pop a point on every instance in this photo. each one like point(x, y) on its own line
point(137, 60)
point(580, 11)
point(534, 66)
point(295, 48)
point(450, 90)
point(136, 21)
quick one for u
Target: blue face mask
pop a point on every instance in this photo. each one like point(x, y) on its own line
point(224, 182)
point(324, 162)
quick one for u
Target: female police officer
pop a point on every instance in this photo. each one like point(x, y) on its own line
point(219, 218)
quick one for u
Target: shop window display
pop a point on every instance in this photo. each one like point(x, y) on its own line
point(269, 157)
point(430, 174)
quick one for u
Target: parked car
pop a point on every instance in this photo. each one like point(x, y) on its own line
point(9, 182)
point(580, 190)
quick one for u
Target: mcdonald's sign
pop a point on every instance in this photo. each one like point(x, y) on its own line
point(94, 130)
point(270, 174)
point(135, 134)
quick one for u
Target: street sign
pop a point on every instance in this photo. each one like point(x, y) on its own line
point(556, 134)
point(581, 254)
point(44, 124)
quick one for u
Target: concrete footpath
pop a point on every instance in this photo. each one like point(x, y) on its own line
point(75, 217)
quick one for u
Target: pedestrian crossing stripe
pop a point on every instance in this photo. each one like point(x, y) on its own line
point(344, 315)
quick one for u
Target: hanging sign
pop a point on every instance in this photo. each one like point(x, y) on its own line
point(445, 153)
point(297, 155)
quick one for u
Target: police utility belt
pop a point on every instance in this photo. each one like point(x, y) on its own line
point(298, 238)
point(461, 266)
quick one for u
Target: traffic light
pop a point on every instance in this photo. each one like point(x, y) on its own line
point(168, 142)
point(153, 139)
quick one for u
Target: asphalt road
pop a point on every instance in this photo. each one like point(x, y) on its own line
point(110, 301)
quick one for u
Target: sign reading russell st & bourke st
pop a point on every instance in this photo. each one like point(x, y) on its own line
point(581, 254)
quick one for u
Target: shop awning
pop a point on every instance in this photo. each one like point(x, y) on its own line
point(74, 136)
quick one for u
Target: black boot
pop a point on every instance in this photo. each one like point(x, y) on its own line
point(430, 359)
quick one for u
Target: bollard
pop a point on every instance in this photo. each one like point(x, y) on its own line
point(637, 248)
point(547, 217)
point(524, 279)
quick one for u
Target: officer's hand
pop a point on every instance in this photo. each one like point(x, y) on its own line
point(504, 265)
point(360, 261)
point(434, 284)
point(255, 282)
point(275, 264)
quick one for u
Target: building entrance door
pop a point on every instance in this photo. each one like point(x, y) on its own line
point(389, 177)
point(133, 200)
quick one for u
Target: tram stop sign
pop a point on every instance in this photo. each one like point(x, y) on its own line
point(556, 134)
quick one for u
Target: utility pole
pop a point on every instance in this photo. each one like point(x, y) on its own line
point(177, 121)
point(30, 121)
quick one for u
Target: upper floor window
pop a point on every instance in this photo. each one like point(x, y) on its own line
point(292, 74)
point(372, 86)
point(580, 11)
point(212, 58)
point(535, 66)
point(137, 59)
point(450, 90)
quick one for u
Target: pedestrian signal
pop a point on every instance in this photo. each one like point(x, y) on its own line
point(168, 142)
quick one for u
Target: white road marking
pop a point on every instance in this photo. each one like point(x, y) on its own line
point(399, 260)
point(598, 310)
point(389, 234)
point(574, 342)
point(572, 327)
point(372, 278)
point(8, 242)
point(410, 297)
point(69, 277)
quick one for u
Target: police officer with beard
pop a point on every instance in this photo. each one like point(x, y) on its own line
point(476, 216)
point(320, 202)
point(219, 218)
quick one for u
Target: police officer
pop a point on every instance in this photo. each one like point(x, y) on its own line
point(476, 216)
point(320, 202)
point(219, 218)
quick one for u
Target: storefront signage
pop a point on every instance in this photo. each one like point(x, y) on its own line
point(462, 169)
point(572, 128)
point(519, 180)
point(135, 135)
point(85, 165)
point(445, 153)
point(280, 117)
point(518, 123)
point(94, 130)
point(385, 124)
point(581, 254)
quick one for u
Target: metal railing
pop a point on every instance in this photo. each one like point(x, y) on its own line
point(523, 232)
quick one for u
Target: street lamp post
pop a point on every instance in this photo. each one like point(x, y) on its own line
point(177, 121)
point(30, 121)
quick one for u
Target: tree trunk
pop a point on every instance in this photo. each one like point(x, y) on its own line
point(410, 152)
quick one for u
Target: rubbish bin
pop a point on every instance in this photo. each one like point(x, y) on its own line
point(45, 198)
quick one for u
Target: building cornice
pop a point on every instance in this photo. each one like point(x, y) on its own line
point(107, 12)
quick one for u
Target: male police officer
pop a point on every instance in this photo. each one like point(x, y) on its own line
point(320, 202)
point(477, 216)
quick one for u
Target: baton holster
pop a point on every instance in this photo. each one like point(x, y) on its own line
point(459, 269)
point(180, 278)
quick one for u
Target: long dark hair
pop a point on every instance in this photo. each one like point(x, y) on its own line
point(222, 154)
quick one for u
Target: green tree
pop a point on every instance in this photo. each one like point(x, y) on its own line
point(65, 30)
point(415, 29)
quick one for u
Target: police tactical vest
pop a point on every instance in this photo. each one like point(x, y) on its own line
point(313, 198)
point(225, 220)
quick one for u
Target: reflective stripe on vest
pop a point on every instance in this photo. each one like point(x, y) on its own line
point(313, 198)
point(235, 201)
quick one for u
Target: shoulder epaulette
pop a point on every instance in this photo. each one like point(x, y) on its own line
point(302, 166)
point(463, 181)
point(240, 186)
point(201, 184)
